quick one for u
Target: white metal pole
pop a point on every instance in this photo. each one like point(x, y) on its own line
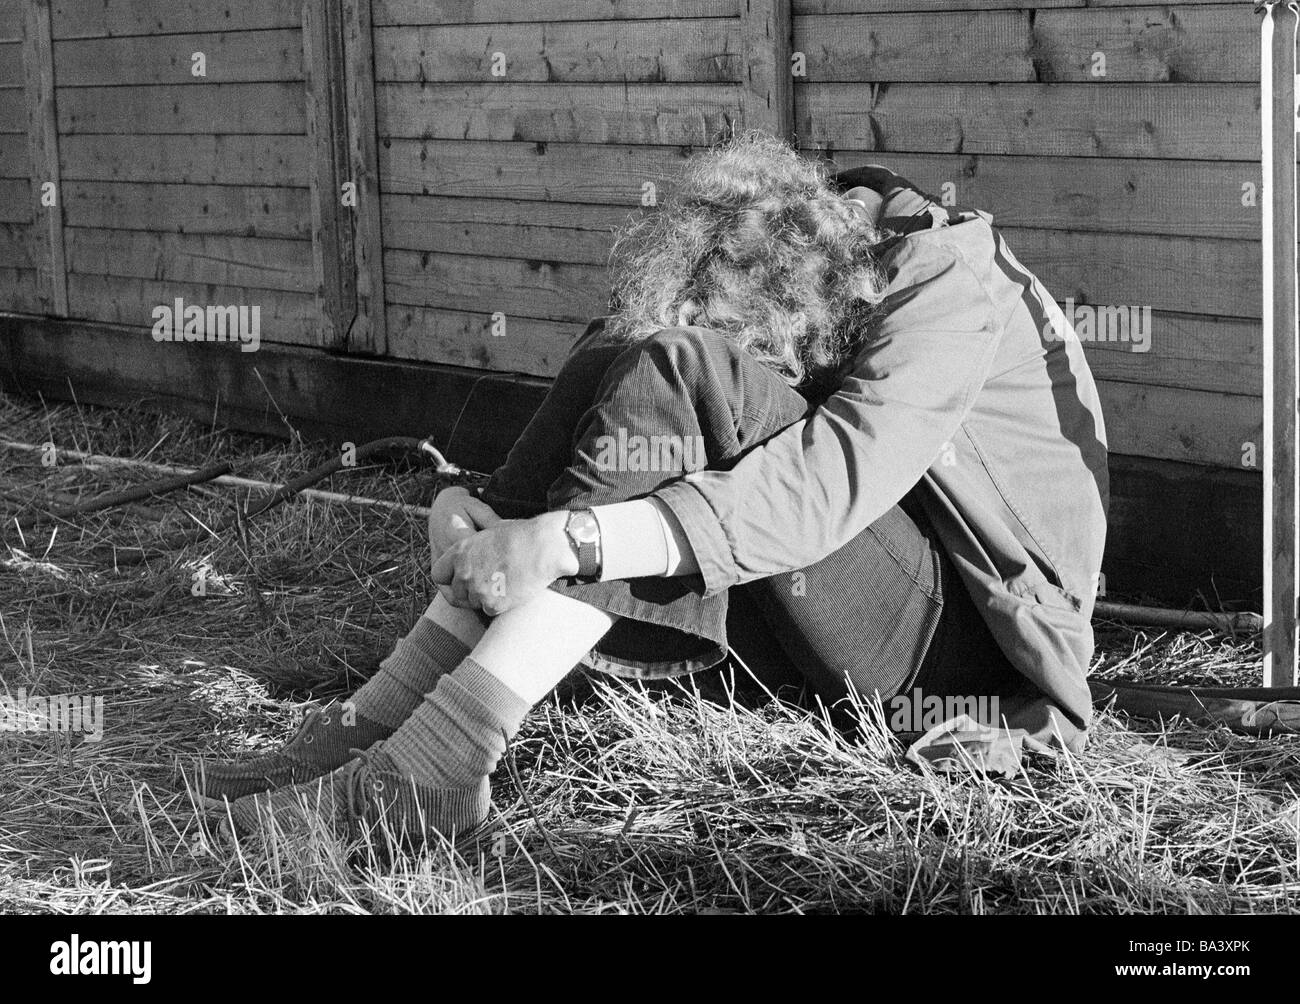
point(1281, 389)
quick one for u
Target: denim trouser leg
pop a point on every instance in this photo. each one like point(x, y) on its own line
point(886, 612)
point(868, 613)
point(620, 421)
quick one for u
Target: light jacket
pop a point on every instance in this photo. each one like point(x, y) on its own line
point(973, 386)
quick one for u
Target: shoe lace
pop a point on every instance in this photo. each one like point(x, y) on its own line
point(361, 778)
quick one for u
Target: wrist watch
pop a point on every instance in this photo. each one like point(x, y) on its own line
point(584, 537)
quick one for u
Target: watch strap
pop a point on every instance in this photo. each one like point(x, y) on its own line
point(588, 551)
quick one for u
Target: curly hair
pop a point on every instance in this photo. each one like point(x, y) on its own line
point(755, 245)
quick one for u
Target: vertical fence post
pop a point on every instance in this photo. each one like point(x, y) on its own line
point(43, 153)
point(766, 89)
point(327, 131)
point(369, 332)
point(1278, 121)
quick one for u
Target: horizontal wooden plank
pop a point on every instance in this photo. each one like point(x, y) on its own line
point(1143, 3)
point(18, 290)
point(16, 246)
point(1190, 121)
point(286, 318)
point(567, 172)
point(693, 114)
point(15, 200)
point(551, 231)
point(961, 45)
point(417, 12)
point(1217, 42)
point(1186, 274)
point(1195, 427)
point(260, 262)
point(11, 64)
point(1187, 198)
point(229, 57)
point(196, 160)
point(460, 338)
point(194, 108)
point(195, 209)
point(13, 111)
point(1219, 354)
point(550, 290)
point(810, 7)
point(645, 51)
point(1213, 43)
point(97, 18)
point(13, 156)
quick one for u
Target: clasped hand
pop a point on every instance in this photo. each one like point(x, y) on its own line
point(483, 562)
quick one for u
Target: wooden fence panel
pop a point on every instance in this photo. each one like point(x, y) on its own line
point(691, 50)
point(1115, 145)
point(184, 159)
point(515, 141)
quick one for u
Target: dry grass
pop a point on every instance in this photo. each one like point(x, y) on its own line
point(633, 800)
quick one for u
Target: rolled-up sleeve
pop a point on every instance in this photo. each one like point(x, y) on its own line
point(810, 489)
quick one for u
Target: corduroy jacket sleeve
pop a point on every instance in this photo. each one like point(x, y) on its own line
point(810, 489)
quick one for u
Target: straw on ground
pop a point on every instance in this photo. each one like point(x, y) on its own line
point(704, 797)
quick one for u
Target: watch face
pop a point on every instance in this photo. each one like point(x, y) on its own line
point(584, 528)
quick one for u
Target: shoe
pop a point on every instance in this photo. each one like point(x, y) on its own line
point(323, 743)
point(366, 796)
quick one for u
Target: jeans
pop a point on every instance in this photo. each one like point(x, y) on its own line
point(886, 612)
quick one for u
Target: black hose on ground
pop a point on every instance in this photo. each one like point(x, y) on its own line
point(126, 496)
point(424, 449)
point(407, 444)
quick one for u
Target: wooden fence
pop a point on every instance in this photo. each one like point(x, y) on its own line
point(435, 182)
